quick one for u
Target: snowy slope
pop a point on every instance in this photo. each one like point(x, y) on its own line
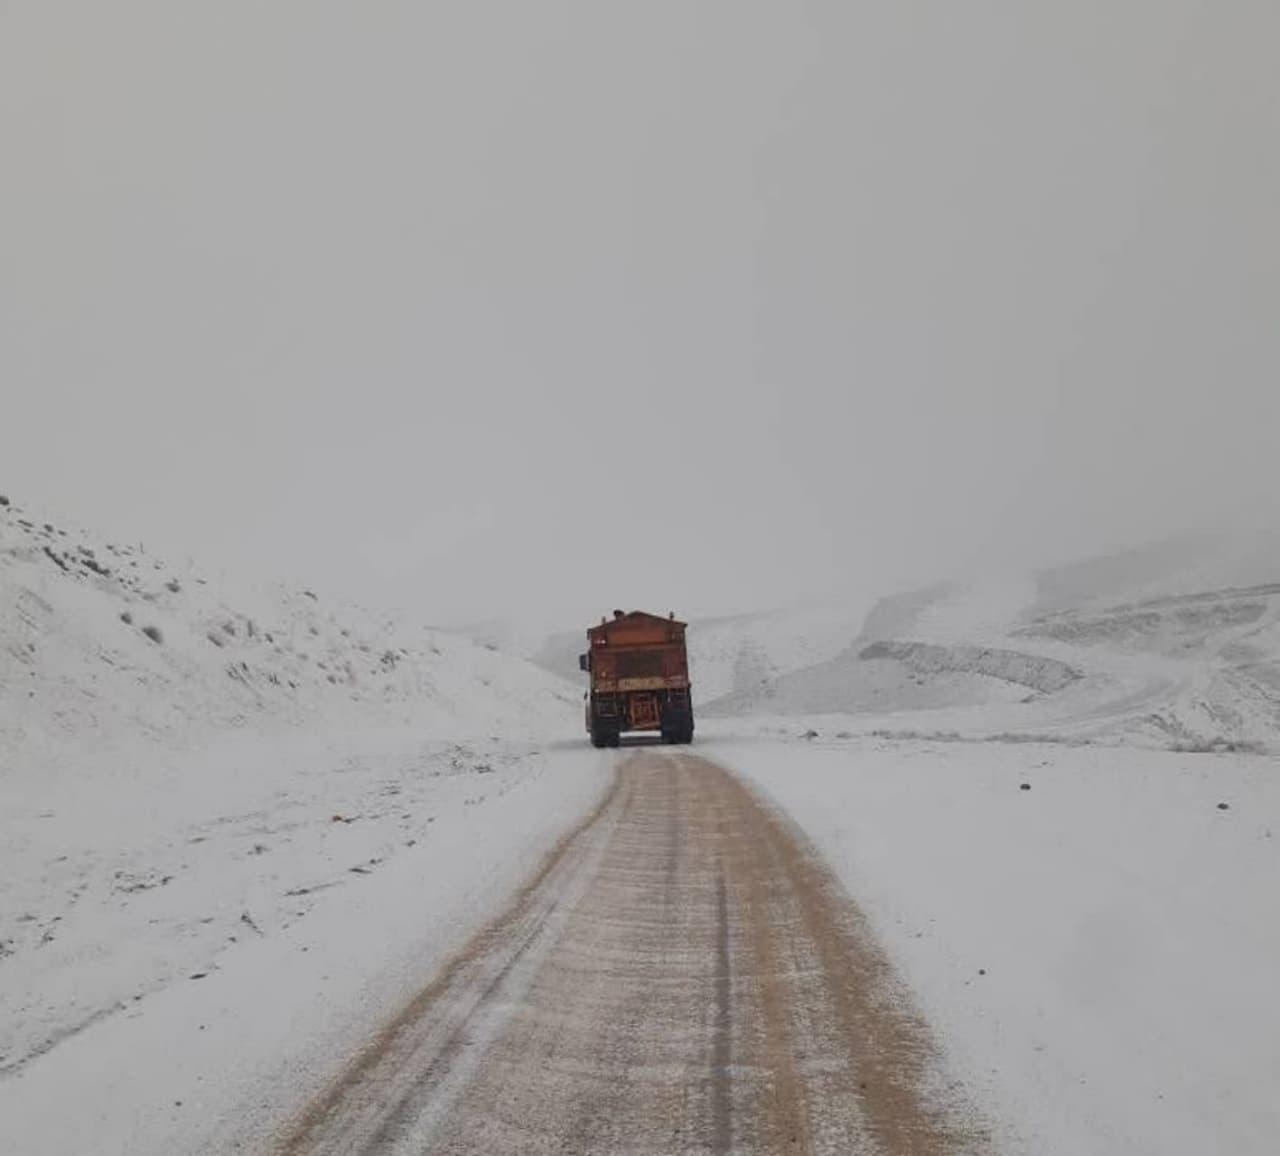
point(734, 654)
point(78, 666)
point(1189, 564)
point(1125, 649)
point(191, 772)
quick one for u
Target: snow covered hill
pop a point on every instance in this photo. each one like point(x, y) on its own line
point(102, 643)
point(1175, 645)
point(184, 767)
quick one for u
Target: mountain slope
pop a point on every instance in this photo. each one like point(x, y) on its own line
point(102, 643)
point(186, 768)
point(1130, 648)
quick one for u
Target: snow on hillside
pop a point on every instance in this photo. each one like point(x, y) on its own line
point(102, 643)
point(185, 769)
point(1190, 564)
point(850, 684)
point(1112, 650)
point(736, 653)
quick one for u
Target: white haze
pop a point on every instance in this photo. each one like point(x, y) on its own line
point(511, 308)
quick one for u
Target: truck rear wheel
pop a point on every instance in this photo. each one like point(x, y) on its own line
point(605, 736)
point(677, 727)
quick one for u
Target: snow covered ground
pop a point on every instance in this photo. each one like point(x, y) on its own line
point(196, 959)
point(1093, 931)
point(230, 846)
point(240, 827)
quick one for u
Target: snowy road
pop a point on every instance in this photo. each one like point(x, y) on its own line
point(683, 975)
point(550, 948)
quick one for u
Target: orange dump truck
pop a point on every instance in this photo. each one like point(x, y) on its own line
point(639, 672)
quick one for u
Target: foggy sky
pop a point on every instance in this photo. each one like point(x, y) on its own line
point(549, 307)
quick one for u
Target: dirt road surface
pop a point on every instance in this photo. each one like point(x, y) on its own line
point(682, 975)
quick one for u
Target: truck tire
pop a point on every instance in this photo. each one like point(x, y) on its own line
point(603, 735)
point(677, 727)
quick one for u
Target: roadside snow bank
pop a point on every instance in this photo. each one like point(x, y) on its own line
point(1099, 951)
point(1034, 671)
point(189, 953)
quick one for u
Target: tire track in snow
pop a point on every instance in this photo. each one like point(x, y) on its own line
point(683, 975)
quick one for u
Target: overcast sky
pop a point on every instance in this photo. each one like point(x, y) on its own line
point(541, 307)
